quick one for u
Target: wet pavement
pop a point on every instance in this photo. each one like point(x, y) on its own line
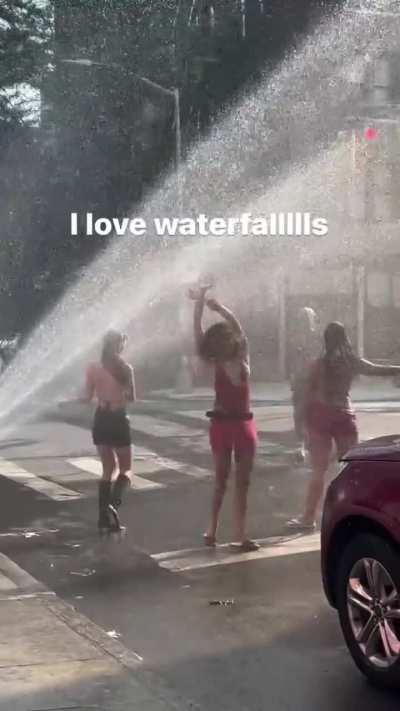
point(276, 644)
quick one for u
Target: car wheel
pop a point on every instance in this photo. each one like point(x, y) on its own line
point(368, 601)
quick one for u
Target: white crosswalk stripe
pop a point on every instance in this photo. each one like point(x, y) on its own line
point(274, 547)
point(160, 462)
point(157, 427)
point(71, 471)
point(49, 489)
point(93, 466)
point(187, 469)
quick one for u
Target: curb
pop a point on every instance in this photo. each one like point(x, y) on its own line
point(25, 587)
point(23, 584)
point(132, 661)
point(56, 540)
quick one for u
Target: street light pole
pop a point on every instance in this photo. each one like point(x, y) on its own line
point(173, 93)
point(178, 147)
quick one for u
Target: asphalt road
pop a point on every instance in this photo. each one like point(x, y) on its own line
point(277, 646)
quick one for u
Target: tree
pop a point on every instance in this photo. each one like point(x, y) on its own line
point(25, 38)
point(25, 55)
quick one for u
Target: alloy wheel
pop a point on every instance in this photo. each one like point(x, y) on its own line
point(373, 605)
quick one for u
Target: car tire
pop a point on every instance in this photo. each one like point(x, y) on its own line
point(367, 553)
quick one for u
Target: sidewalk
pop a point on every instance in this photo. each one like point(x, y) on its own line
point(53, 658)
point(364, 390)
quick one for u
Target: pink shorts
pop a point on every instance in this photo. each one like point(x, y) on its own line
point(238, 436)
point(325, 424)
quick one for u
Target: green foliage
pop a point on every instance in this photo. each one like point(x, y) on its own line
point(25, 42)
point(104, 137)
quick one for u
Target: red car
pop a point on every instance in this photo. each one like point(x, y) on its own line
point(361, 556)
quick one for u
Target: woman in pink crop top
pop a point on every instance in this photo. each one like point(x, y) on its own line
point(111, 382)
point(232, 430)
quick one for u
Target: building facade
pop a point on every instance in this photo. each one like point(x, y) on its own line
point(355, 276)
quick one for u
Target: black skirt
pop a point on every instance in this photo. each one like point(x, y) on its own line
point(111, 428)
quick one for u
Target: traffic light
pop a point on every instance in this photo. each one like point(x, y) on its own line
point(371, 133)
point(376, 170)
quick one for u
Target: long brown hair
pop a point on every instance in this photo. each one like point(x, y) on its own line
point(338, 358)
point(221, 343)
point(111, 359)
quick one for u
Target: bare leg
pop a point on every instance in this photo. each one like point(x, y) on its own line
point(320, 455)
point(123, 482)
point(244, 467)
point(107, 457)
point(222, 470)
point(108, 463)
point(320, 466)
point(299, 426)
point(124, 457)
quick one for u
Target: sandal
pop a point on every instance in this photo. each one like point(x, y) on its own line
point(297, 524)
point(209, 541)
point(247, 546)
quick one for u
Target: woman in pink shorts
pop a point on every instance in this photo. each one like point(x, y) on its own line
point(232, 430)
point(329, 412)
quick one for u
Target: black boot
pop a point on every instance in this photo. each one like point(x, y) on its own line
point(121, 485)
point(104, 521)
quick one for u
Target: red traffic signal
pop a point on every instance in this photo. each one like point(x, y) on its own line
point(370, 133)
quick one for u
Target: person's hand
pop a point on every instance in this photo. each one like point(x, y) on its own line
point(197, 294)
point(213, 304)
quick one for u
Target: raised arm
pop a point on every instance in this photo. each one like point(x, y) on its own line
point(198, 297)
point(214, 305)
point(365, 367)
point(197, 321)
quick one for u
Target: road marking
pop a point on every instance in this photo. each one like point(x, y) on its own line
point(93, 466)
point(157, 427)
point(195, 415)
point(160, 462)
point(47, 488)
point(275, 547)
point(184, 468)
point(154, 464)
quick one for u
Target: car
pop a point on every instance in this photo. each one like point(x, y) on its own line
point(360, 556)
